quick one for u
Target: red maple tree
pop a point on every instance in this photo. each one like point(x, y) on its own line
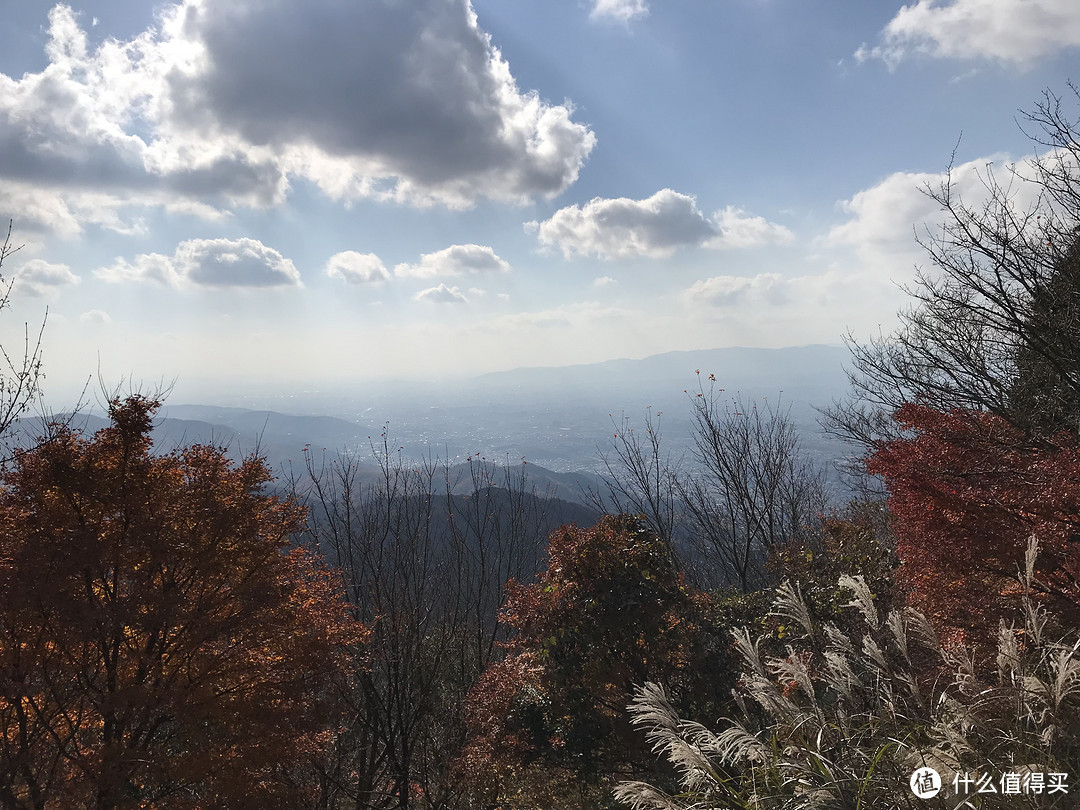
point(967, 490)
point(160, 645)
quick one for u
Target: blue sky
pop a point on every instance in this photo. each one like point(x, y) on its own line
point(286, 194)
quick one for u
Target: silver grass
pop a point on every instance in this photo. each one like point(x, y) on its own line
point(792, 669)
point(876, 657)
point(750, 652)
point(652, 709)
point(858, 722)
point(863, 599)
point(1031, 553)
point(1065, 672)
point(643, 796)
point(789, 604)
point(920, 630)
point(772, 699)
point(839, 675)
point(1035, 616)
point(736, 744)
point(838, 641)
point(898, 630)
point(1008, 653)
point(961, 660)
point(911, 683)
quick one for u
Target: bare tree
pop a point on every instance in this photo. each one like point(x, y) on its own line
point(994, 324)
point(746, 489)
point(753, 489)
point(498, 533)
point(20, 381)
point(642, 479)
point(382, 538)
point(425, 567)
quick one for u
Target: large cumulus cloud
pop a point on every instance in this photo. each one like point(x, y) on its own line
point(226, 100)
point(414, 94)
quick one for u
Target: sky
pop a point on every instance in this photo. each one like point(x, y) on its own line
point(299, 193)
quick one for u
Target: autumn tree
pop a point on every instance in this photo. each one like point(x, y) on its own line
point(160, 644)
point(967, 491)
point(610, 611)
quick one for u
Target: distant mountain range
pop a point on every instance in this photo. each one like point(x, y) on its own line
point(558, 420)
point(808, 371)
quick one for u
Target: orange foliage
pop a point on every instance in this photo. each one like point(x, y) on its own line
point(966, 492)
point(159, 645)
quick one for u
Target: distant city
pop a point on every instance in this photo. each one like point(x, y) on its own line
point(557, 420)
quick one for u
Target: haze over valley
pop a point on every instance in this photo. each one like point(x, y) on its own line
point(558, 420)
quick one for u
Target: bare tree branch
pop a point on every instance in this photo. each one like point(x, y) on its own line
point(994, 323)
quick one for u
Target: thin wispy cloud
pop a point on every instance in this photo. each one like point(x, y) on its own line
point(621, 10)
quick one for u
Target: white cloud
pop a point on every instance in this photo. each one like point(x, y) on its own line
point(886, 218)
point(621, 227)
point(1013, 31)
point(357, 268)
point(739, 230)
point(656, 227)
point(456, 260)
point(434, 114)
point(95, 316)
point(622, 10)
point(82, 142)
point(189, 115)
point(41, 278)
point(577, 315)
point(604, 281)
point(442, 295)
point(726, 291)
point(209, 263)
